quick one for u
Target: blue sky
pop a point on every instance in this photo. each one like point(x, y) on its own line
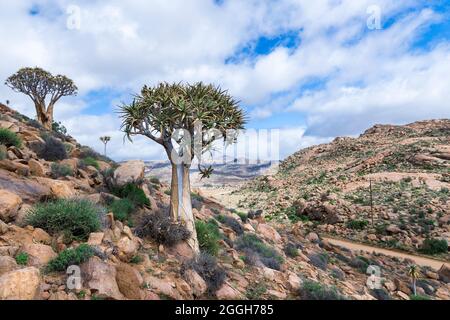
point(312, 69)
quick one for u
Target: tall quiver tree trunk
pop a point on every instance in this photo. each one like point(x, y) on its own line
point(181, 204)
point(43, 116)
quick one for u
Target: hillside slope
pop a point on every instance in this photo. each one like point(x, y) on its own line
point(113, 232)
point(328, 186)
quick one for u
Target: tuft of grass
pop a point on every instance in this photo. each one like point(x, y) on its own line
point(70, 257)
point(51, 150)
point(232, 223)
point(252, 245)
point(133, 193)
point(9, 138)
point(243, 216)
point(256, 292)
point(160, 227)
point(22, 258)
point(208, 235)
point(291, 250)
point(122, 209)
point(357, 224)
point(89, 161)
point(434, 246)
point(136, 259)
point(418, 297)
point(311, 290)
point(60, 170)
point(206, 266)
point(3, 152)
point(74, 218)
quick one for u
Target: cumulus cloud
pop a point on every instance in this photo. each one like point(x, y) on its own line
point(339, 79)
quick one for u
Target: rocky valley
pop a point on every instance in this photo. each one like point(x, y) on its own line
point(75, 225)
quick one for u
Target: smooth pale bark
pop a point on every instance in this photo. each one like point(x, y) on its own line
point(45, 117)
point(181, 204)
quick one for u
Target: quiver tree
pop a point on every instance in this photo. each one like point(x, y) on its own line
point(105, 140)
point(186, 120)
point(44, 89)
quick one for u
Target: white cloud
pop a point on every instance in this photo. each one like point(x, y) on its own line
point(121, 46)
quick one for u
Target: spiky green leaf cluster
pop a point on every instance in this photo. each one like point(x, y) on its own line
point(160, 110)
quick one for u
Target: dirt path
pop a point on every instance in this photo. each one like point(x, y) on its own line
point(419, 260)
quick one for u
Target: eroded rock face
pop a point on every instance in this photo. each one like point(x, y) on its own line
point(9, 205)
point(29, 190)
point(20, 284)
point(129, 172)
point(100, 278)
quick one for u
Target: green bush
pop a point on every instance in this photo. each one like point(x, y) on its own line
point(74, 218)
point(208, 235)
point(291, 250)
point(155, 180)
point(90, 161)
point(22, 259)
point(434, 246)
point(70, 257)
point(243, 216)
point(9, 138)
point(418, 297)
point(122, 209)
point(357, 224)
point(311, 290)
point(3, 152)
point(251, 244)
point(133, 193)
point(60, 170)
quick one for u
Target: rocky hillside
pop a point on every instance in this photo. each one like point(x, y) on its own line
point(388, 187)
point(74, 225)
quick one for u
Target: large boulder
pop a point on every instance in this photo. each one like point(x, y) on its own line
point(100, 278)
point(59, 189)
point(7, 264)
point(268, 232)
point(444, 273)
point(20, 284)
point(9, 205)
point(227, 292)
point(129, 281)
point(129, 172)
point(39, 254)
point(36, 168)
point(165, 286)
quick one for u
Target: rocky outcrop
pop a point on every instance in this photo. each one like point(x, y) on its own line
point(9, 205)
point(129, 172)
point(20, 284)
point(100, 278)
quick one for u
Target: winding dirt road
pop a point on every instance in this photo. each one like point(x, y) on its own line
point(419, 260)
